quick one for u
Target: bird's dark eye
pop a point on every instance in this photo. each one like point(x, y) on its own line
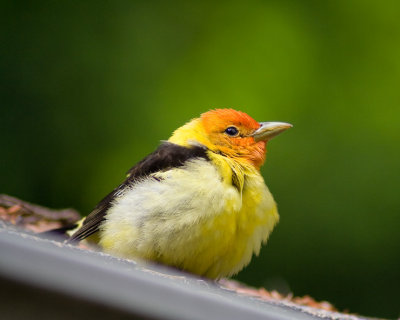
point(232, 131)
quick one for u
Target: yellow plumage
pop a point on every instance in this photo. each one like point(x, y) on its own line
point(207, 216)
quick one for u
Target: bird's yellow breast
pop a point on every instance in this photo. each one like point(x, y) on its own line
point(193, 218)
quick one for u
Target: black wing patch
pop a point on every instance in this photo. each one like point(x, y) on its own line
point(166, 156)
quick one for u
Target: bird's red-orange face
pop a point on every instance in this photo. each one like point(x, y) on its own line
point(231, 131)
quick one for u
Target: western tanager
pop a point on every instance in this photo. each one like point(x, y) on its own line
point(198, 202)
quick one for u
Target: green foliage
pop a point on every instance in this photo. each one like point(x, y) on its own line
point(89, 88)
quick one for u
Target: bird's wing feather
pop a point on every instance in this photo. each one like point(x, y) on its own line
point(166, 156)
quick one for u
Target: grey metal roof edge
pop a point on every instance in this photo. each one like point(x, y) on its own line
point(154, 291)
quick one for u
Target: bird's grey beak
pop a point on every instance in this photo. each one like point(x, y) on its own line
point(268, 130)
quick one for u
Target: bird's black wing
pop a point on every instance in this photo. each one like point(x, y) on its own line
point(166, 156)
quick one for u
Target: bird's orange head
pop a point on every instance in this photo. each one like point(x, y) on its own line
point(231, 133)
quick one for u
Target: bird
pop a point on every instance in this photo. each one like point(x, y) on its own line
point(198, 203)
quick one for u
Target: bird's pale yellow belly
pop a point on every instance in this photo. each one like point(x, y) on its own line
point(192, 219)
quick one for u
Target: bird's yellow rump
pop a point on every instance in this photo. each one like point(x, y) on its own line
point(198, 203)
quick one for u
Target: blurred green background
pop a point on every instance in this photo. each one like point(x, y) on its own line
point(88, 88)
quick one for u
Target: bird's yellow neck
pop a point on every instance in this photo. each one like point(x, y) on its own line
point(192, 133)
point(232, 170)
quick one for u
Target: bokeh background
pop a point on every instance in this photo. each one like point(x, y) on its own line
point(88, 88)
